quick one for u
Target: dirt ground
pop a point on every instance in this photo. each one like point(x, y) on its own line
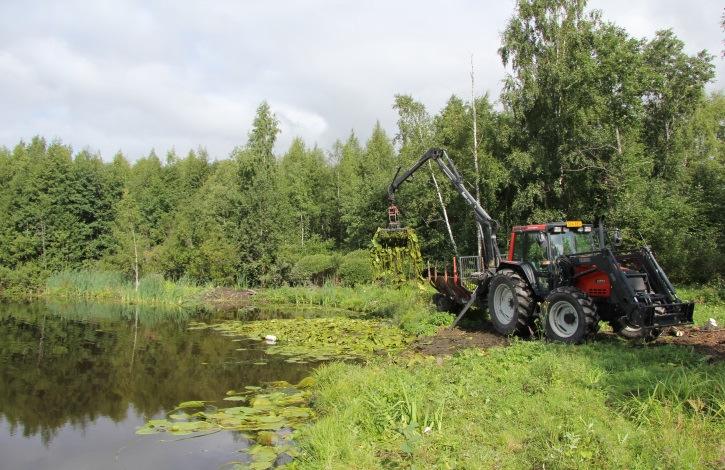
point(225, 298)
point(446, 342)
point(708, 342)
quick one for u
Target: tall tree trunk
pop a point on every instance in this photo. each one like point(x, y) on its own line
point(619, 140)
point(302, 229)
point(475, 157)
point(42, 236)
point(443, 208)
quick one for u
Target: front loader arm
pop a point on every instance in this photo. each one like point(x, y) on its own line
point(487, 225)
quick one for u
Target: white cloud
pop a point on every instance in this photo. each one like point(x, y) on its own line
point(134, 75)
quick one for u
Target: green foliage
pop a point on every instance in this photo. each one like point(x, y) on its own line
point(22, 283)
point(356, 268)
point(315, 268)
point(594, 123)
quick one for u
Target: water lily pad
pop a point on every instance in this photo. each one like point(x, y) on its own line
point(307, 382)
point(260, 402)
point(235, 398)
point(321, 339)
point(190, 404)
point(296, 412)
point(239, 410)
point(267, 438)
point(188, 427)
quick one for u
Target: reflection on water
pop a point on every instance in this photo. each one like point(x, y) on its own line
point(76, 381)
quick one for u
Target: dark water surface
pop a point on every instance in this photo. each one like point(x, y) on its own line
point(77, 380)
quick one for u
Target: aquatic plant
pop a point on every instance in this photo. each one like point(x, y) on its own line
point(319, 339)
point(267, 415)
point(109, 286)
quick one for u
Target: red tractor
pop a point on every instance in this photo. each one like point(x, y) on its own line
point(563, 274)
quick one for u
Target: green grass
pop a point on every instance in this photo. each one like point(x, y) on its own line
point(531, 405)
point(710, 302)
point(606, 404)
point(104, 286)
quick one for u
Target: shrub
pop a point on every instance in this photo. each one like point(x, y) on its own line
point(356, 268)
point(314, 268)
point(22, 283)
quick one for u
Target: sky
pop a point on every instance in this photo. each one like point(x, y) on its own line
point(109, 75)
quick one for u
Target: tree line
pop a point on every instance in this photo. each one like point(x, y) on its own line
point(592, 123)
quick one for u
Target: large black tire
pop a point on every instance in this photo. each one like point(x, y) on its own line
point(443, 303)
point(510, 303)
point(570, 316)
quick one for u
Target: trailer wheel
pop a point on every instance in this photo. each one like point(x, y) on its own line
point(443, 303)
point(570, 316)
point(510, 303)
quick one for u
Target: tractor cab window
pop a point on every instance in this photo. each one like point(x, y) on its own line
point(570, 243)
point(536, 251)
point(519, 241)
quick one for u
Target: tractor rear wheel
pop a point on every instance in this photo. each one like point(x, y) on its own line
point(570, 316)
point(510, 303)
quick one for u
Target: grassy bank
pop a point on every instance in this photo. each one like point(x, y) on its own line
point(408, 306)
point(531, 405)
point(111, 287)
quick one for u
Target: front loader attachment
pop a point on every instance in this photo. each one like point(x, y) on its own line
point(645, 295)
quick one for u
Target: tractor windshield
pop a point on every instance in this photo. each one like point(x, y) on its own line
point(570, 243)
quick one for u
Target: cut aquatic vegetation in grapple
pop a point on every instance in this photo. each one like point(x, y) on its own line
point(319, 339)
point(269, 416)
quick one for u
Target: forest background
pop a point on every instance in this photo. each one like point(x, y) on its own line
point(591, 123)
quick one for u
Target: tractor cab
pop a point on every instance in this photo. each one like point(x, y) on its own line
point(535, 248)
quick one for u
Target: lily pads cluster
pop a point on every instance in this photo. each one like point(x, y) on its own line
point(268, 416)
point(318, 339)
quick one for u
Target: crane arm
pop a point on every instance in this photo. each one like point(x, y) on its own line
point(485, 222)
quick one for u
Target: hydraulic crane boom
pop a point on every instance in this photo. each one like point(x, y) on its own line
point(486, 224)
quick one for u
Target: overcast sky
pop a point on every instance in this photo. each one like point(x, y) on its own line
point(135, 75)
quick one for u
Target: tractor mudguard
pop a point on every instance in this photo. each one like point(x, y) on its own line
point(524, 269)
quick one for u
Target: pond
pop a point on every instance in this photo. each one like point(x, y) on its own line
point(77, 381)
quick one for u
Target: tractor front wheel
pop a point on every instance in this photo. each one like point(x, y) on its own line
point(510, 303)
point(621, 327)
point(570, 316)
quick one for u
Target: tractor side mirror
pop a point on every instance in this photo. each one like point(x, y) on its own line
point(617, 237)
